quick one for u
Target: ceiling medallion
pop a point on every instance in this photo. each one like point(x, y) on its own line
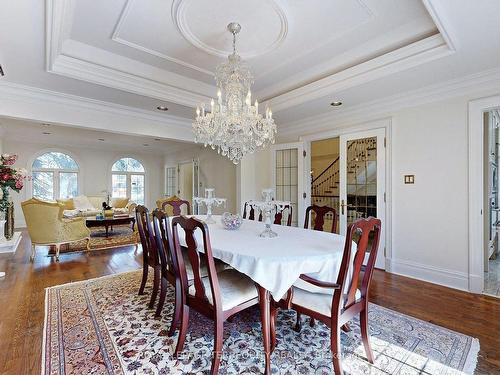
point(232, 125)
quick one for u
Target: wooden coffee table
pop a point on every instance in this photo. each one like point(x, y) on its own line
point(108, 222)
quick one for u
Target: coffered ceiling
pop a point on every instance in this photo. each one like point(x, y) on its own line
point(304, 54)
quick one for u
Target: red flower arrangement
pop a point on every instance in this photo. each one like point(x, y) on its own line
point(10, 178)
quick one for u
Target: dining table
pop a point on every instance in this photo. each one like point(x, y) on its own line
point(275, 264)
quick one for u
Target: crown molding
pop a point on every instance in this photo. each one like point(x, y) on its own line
point(77, 60)
point(40, 105)
point(420, 52)
point(75, 67)
point(71, 58)
point(116, 37)
point(403, 58)
point(475, 84)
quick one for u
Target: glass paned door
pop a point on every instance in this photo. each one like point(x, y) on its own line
point(362, 181)
point(137, 188)
point(288, 166)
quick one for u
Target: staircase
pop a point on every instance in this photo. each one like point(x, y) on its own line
point(325, 187)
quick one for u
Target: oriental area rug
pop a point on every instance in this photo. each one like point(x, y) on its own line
point(102, 326)
point(121, 235)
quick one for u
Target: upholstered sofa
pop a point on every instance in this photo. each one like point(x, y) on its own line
point(47, 225)
point(91, 205)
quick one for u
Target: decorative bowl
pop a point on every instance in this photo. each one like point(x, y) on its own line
point(231, 221)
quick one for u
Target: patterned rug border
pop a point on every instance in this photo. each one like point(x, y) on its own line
point(469, 365)
point(46, 307)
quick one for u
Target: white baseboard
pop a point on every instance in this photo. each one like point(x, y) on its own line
point(432, 274)
point(19, 224)
point(476, 284)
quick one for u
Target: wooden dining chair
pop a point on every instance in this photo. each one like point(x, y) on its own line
point(149, 252)
point(278, 216)
point(247, 208)
point(217, 296)
point(319, 221)
point(349, 295)
point(170, 266)
point(176, 206)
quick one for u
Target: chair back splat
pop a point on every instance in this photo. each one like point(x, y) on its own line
point(278, 217)
point(189, 226)
point(176, 206)
point(319, 220)
point(165, 245)
point(143, 220)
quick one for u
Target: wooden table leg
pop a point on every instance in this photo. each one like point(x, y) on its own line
point(265, 316)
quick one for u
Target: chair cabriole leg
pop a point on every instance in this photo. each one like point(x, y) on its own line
point(145, 270)
point(156, 286)
point(336, 350)
point(363, 322)
point(218, 337)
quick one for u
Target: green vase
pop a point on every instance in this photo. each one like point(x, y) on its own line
point(9, 221)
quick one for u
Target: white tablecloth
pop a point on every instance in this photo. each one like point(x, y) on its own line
point(276, 263)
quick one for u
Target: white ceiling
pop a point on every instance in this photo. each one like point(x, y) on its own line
point(33, 132)
point(304, 54)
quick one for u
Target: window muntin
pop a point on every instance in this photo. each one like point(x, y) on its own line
point(55, 176)
point(128, 180)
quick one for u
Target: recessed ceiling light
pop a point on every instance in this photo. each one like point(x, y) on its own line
point(46, 133)
point(162, 108)
point(45, 124)
point(335, 104)
point(158, 139)
point(100, 139)
point(145, 144)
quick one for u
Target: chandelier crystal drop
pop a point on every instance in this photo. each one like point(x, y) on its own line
point(231, 124)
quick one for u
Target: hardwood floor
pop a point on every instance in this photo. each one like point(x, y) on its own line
point(22, 303)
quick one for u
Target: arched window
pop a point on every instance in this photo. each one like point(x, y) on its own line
point(55, 176)
point(128, 180)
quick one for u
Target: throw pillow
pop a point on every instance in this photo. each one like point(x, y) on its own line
point(82, 203)
point(68, 204)
point(119, 202)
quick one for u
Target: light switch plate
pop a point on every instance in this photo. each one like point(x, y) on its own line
point(409, 179)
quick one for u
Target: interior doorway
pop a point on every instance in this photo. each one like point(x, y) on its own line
point(348, 174)
point(188, 181)
point(491, 157)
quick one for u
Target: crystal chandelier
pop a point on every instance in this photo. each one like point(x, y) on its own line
point(232, 125)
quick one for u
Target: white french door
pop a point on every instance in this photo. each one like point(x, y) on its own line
point(362, 181)
point(287, 177)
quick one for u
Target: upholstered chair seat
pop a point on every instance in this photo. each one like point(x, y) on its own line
point(319, 302)
point(219, 266)
point(235, 288)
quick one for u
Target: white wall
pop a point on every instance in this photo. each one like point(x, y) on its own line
point(95, 170)
point(254, 174)
point(429, 218)
point(216, 171)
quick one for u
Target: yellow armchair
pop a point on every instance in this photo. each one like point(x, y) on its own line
point(47, 226)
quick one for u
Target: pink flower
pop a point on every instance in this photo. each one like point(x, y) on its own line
point(8, 159)
point(19, 184)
